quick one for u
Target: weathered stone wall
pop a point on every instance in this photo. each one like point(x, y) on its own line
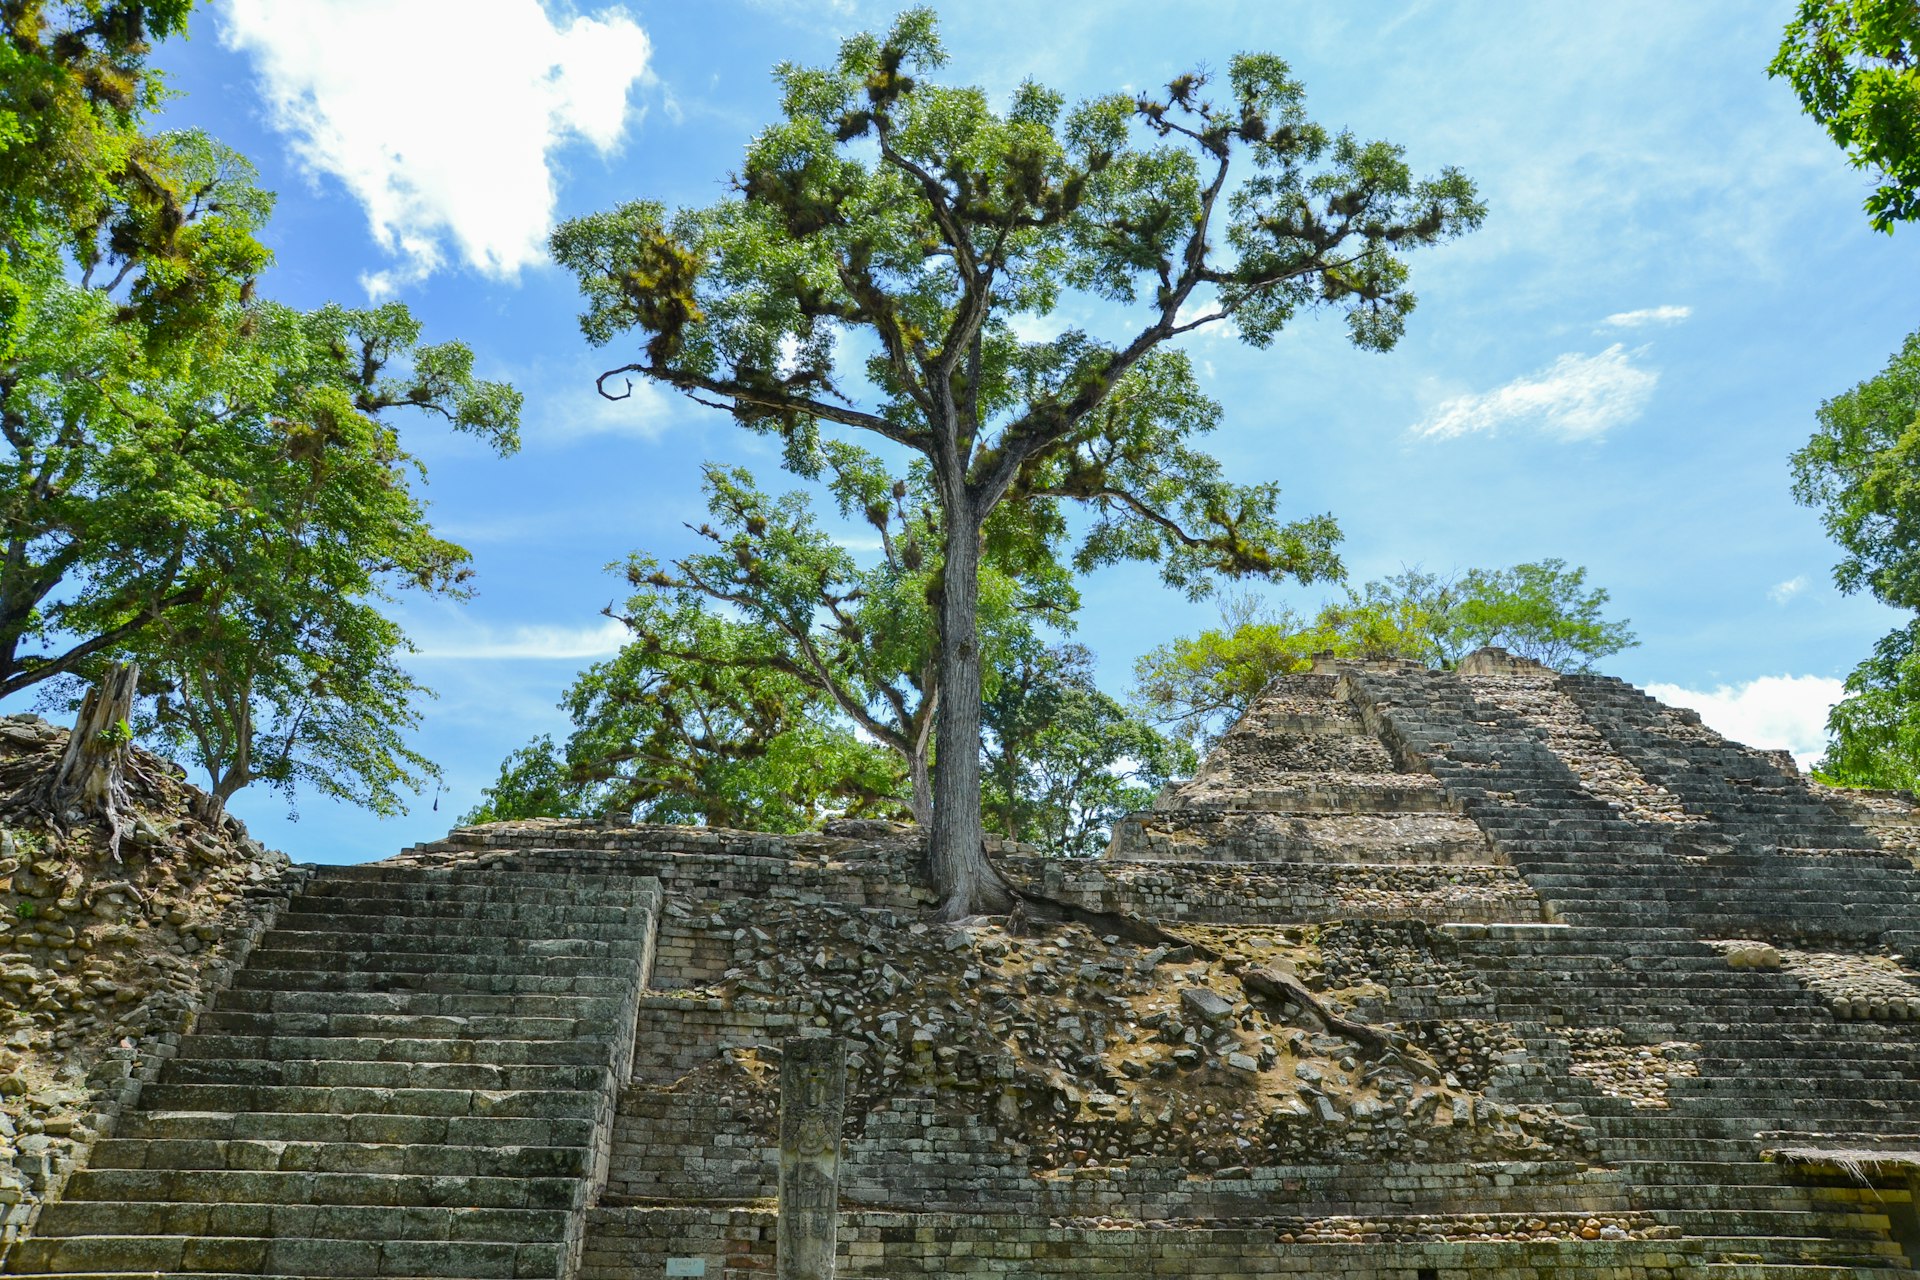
point(1290, 892)
point(634, 1243)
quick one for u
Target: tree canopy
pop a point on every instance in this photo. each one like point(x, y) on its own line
point(1063, 761)
point(882, 237)
point(1856, 66)
point(857, 631)
point(730, 739)
point(196, 477)
point(1199, 685)
point(1861, 471)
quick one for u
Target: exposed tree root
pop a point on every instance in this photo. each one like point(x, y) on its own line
point(1043, 908)
point(92, 774)
point(1260, 983)
point(1272, 985)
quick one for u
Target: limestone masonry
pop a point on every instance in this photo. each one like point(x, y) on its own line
point(1475, 974)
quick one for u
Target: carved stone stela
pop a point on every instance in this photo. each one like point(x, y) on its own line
point(813, 1096)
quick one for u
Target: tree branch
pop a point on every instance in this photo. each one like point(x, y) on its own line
point(745, 394)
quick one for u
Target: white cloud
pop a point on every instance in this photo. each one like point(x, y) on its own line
point(579, 410)
point(535, 642)
point(1781, 592)
point(1197, 309)
point(440, 119)
point(1577, 397)
point(1028, 327)
point(1773, 712)
point(1648, 315)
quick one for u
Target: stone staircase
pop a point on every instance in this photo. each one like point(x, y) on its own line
point(1645, 834)
point(414, 1075)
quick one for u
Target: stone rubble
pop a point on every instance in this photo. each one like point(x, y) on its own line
point(102, 968)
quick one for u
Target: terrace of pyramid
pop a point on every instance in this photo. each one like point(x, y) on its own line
point(1492, 972)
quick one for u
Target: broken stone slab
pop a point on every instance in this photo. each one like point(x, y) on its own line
point(1209, 1006)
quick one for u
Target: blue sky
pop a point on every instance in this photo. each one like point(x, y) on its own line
point(1675, 272)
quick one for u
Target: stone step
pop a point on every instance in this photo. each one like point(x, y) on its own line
point(1752, 1073)
point(1703, 1122)
point(339, 1157)
point(348, 1101)
point(392, 964)
point(419, 1003)
point(1763, 1090)
point(152, 1256)
point(381, 1129)
point(399, 940)
point(71, 1218)
point(1807, 1249)
point(559, 1052)
point(309, 911)
point(1774, 1223)
point(272, 1186)
point(1683, 1173)
point(350, 930)
point(585, 886)
point(401, 1025)
point(262, 978)
point(381, 1075)
point(504, 895)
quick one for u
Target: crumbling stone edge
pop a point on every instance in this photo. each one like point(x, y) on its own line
point(115, 1081)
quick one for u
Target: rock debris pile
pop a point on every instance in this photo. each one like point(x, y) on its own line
point(1093, 1050)
point(101, 966)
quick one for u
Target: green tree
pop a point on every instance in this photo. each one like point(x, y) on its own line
point(1198, 686)
point(915, 220)
point(1873, 734)
point(315, 696)
point(1856, 66)
point(1063, 761)
point(731, 740)
point(234, 529)
point(534, 782)
point(1543, 611)
point(82, 183)
point(860, 635)
point(196, 478)
point(1861, 471)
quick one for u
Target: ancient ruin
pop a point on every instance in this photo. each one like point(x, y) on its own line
point(1485, 973)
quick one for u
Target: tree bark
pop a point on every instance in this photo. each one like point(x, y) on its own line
point(962, 876)
point(918, 771)
point(1012, 771)
point(92, 775)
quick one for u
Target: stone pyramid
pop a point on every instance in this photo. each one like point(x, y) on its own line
point(1569, 986)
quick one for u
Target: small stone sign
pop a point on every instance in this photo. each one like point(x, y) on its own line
point(686, 1267)
point(813, 1098)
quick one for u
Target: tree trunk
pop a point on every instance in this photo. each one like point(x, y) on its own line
point(918, 771)
point(1013, 803)
point(92, 775)
point(962, 876)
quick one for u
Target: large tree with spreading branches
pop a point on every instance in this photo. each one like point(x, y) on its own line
point(882, 236)
point(192, 476)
